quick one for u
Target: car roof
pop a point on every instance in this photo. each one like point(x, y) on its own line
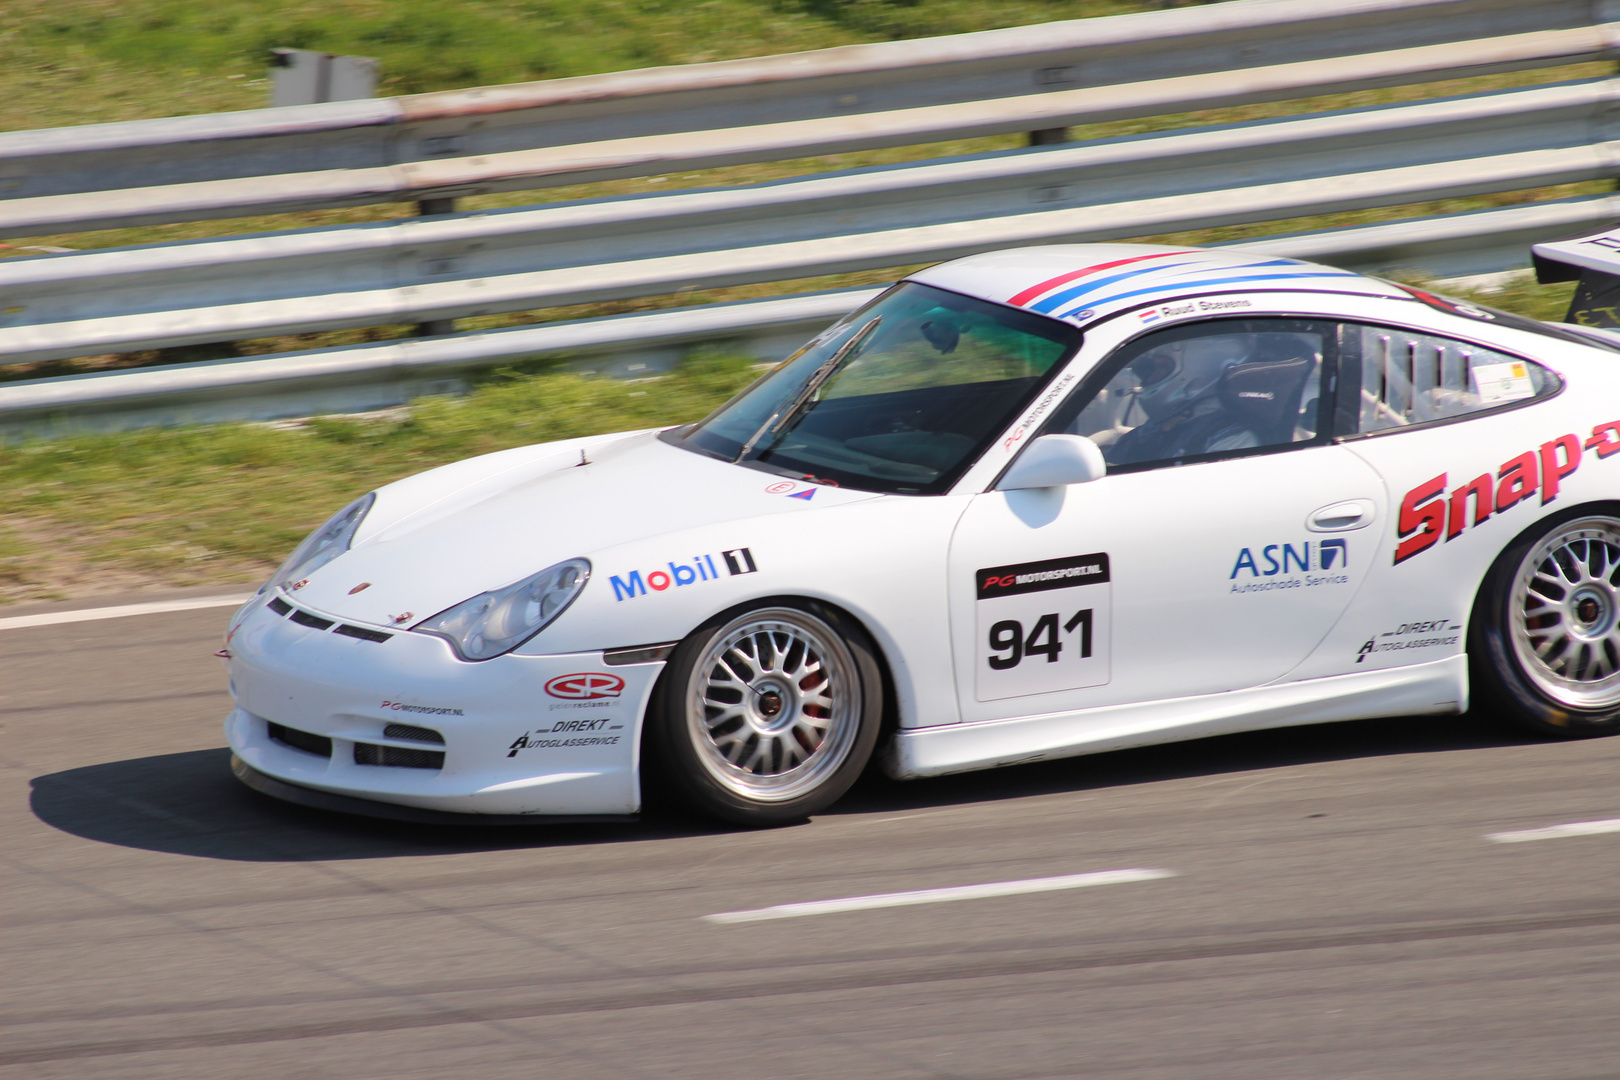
point(1084, 282)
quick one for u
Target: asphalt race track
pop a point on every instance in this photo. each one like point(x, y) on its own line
point(1332, 908)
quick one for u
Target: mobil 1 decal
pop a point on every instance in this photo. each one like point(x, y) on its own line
point(1042, 626)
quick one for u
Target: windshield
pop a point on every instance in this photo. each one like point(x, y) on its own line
point(899, 397)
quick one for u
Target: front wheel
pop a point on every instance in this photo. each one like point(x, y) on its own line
point(765, 715)
point(1546, 633)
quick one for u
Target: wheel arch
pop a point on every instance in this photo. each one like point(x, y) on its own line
point(888, 723)
point(666, 772)
point(1485, 648)
point(1539, 525)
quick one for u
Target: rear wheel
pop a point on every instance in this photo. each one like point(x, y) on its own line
point(1546, 633)
point(766, 715)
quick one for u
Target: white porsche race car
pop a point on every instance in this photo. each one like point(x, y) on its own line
point(1023, 505)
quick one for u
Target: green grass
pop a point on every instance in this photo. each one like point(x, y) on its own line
point(179, 506)
point(91, 61)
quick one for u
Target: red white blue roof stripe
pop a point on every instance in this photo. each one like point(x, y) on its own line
point(1100, 278)
point(1095, 286)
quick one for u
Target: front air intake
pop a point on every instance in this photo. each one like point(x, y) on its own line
point(314, 622)
point(413, 733)
point(397, 756)
point(364, 633)
point(300, 740)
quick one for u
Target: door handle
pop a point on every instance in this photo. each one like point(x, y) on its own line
point(1342, 516)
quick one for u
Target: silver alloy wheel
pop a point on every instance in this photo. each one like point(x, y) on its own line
point(1565, 610)
point(773, 706)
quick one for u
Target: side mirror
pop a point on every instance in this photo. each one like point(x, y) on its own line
point(1056, 461)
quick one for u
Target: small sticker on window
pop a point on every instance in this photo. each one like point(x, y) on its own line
point(1503, 382)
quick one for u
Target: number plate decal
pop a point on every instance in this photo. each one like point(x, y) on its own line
point(1042, 626)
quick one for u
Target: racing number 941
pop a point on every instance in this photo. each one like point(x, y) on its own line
point(1056, 610)
point(1007, 639)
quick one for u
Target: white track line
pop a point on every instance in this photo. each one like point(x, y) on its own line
point(54, 618)
point(1554, 832)
point(938, 896)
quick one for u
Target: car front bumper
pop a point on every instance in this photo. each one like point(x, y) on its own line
point(358, 718)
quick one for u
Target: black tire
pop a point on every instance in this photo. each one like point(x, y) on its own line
point(1544, 641)
point(765, 714)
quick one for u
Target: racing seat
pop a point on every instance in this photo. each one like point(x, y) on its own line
point(1264, 396)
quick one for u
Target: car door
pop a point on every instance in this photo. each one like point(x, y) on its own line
point(1469, 457)
point(1225, 541)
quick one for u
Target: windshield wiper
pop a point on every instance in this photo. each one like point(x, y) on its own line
point(781, 418)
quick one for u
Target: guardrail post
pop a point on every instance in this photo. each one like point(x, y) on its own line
point(302, 77)
point(428, 208)
point(1049, 136)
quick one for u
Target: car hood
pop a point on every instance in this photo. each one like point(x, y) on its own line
point(436, 547)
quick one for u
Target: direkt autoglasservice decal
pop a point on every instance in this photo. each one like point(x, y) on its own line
point(1413, 635)
point(537, 740)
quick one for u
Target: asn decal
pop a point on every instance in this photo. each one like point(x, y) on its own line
point(538, 740)
point(1428, 634)
point(1427, 511)
point(586, 686)
point(1042, 407)
point(1042, 626)
point(1291, 566)
point(701, 568)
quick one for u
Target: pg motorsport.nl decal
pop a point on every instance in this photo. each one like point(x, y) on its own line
point(1427, 512)
point(1041, 408)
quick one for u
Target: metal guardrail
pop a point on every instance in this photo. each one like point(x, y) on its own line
point(463, 142)
point(383, 374)
point(458, 265)
point(465, 265)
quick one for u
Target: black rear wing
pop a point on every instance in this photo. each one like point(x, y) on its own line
point(1592, 260)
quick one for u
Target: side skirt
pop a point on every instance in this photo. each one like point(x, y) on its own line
point(1436, 688)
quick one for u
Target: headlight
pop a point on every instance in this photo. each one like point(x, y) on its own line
point(497, 622)
point(324, 544)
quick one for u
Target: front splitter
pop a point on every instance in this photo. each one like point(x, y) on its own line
point(347, 804)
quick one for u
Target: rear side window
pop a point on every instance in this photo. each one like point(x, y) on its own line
point(1391, 379)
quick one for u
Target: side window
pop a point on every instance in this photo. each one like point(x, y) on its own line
point(1397, 378)
point(1206, 389)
